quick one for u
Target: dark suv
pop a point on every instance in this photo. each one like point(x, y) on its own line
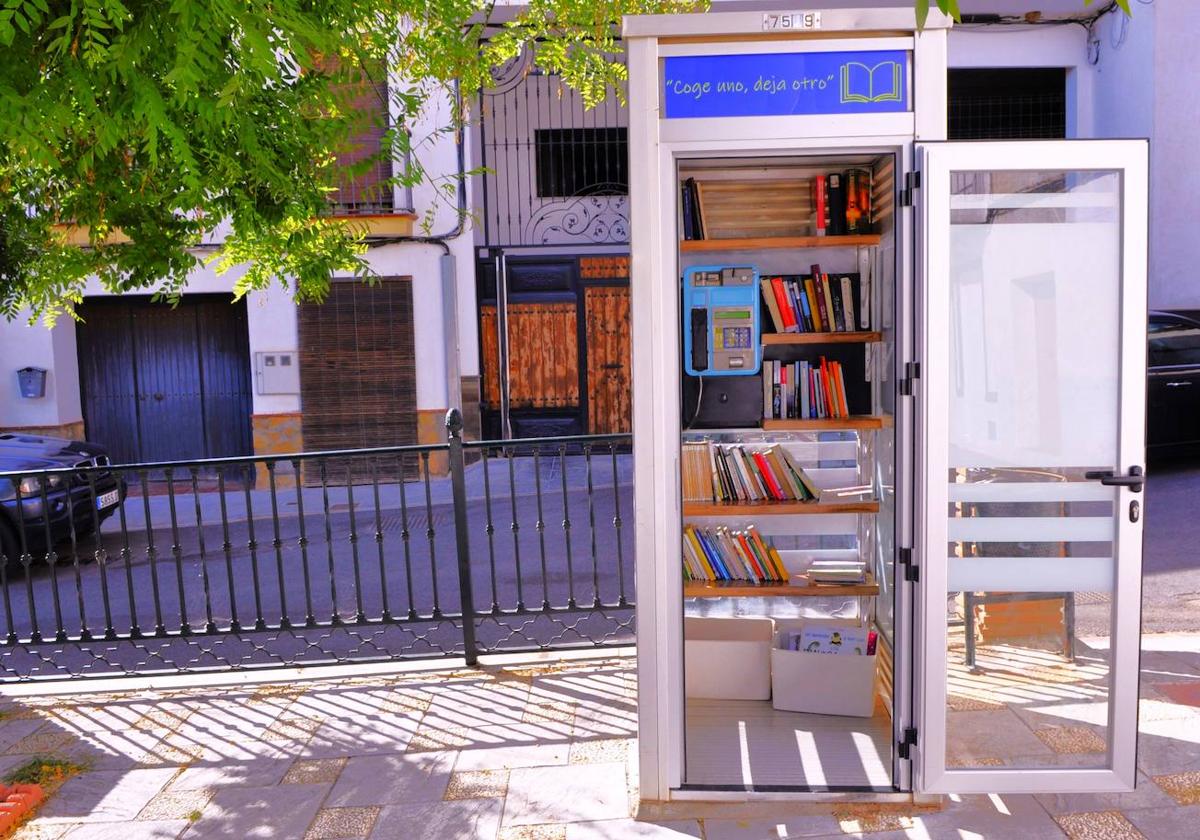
point(45, 505)
point(1173, 410)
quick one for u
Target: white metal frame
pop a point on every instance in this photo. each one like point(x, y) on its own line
point(656, 146)
point(936, 162)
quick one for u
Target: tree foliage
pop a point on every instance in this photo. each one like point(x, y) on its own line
point(177, 121)
point(185, 122)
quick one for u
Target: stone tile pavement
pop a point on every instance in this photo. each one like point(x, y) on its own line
point(537, 752)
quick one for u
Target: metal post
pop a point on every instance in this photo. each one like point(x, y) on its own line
point(454, 425)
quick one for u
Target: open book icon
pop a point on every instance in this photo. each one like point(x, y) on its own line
point(880, 83)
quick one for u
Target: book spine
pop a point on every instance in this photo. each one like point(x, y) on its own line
point(821, 288)
point(685, 200)
point(848, 302)
point(819, 201)
point(839, 311)
point(836, 189)
point(766, 383)
point(789, 288)
point(768, 294)
point(699, 209)
point(810, 295)
point(785, 311)
point(802, 304)
point(765, 471)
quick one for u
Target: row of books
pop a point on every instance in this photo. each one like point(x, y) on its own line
point(842, 203)
point(816, 302)
point(693, 216)
point(740, 473)
point(803, 390)
point(716, 554)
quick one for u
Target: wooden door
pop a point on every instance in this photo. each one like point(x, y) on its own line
point(358, 374)
point(543, 356)
point(608, 374)
point(165, 383)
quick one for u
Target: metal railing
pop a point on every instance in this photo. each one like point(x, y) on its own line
point(316, 558)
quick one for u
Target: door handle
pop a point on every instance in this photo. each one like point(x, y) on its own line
point(1178, 384)
point(1134, 481)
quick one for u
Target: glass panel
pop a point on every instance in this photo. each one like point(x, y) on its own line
point(1034, 358)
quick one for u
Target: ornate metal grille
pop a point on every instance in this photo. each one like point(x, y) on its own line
point(555, 171)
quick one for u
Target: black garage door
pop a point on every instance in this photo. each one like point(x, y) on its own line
point(161, 383)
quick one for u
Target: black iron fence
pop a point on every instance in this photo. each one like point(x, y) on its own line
point(316, 558)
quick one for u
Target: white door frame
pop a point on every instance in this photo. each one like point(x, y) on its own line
point(936, 161)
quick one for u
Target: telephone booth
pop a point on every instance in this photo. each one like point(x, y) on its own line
point(888, 423)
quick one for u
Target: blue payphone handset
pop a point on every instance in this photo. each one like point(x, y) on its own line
point(721, 329)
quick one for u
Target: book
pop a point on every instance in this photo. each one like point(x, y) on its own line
point(810, 296)
point(836, 196)
point(839, 311)
point(859, 189)
point(819, 293)
point(819, 204)
point(768, 379)
point(787, 315)
point(847, 298)
point(838, 639)
point(805, 311)
point(768, 294)
point(827, 293)
point(686, 213)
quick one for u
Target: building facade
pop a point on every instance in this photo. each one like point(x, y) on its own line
point(516, 311)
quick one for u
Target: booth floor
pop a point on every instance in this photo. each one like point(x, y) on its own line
point(746, 742)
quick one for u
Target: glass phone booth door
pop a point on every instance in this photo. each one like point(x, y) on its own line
point(1031, 396)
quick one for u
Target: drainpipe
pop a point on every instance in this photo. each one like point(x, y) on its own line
point(448, 266)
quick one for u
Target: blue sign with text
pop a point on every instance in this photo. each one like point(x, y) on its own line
point(783, 84)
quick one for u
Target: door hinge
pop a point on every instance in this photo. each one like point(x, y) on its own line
point(912, 573)
point(912, 182)
point(904, 748)
point(912, 370)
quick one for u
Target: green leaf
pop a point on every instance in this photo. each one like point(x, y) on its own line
point(950, 7)
point(922, 14)
point(1124, 4)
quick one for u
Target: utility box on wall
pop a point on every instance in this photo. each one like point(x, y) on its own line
point(32, 382)
point(276, 372)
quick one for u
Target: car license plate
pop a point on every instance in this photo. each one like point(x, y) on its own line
point(107, 500)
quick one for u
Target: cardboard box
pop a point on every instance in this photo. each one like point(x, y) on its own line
point(822, 683)
point(727, 658)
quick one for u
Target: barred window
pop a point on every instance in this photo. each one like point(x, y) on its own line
point(1006, 103)
point(581, 161)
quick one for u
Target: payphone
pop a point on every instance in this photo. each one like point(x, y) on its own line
point(721, 321)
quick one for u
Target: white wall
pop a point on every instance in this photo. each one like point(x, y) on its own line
point(35, 346)
point(1175, 156)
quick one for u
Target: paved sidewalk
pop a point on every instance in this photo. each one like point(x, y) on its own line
point(542, 752)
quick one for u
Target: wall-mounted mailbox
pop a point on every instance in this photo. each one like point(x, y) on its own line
point(277, 372)
point(32, 382)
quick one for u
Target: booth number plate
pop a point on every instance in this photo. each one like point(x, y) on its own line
point(775, 21)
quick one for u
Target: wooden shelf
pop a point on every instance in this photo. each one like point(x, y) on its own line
point(739, 589)
point(759, 242)
point(775, 508)
point(772, 339)
point(858, 421)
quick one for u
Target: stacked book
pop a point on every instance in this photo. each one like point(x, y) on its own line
point(719, 554)
point(833, 572)
point(842, 203)
point(741, 473)
point(804, 390)
point(815, 302)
